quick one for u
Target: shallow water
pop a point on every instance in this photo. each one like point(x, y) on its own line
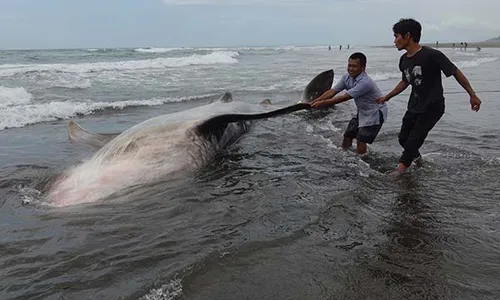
point(283, 214)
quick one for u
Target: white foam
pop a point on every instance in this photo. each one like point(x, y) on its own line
point(309, 128)
point(13, 96)
point(31, 113)
point(29, 195)
point(217, 57)
point(328, 126)
point(157, 50)
point(256, 48)
point(381, 76)
point(298, 84)
point(69, 84)
point(291, 85)
point(169, 291)
point(463, 53)
point(329, 142)
point(101, 49)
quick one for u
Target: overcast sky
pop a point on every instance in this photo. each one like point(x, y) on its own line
point(171, 23)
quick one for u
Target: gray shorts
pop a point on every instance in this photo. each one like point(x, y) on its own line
point(366, 134)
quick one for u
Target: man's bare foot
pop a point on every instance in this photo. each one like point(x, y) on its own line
point(399, 170)
point(419, 162)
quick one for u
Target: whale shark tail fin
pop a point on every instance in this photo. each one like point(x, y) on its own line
point(79, 134)
point(318, 85)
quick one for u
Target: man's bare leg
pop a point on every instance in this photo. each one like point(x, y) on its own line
point(346, 143)
point(361, 148)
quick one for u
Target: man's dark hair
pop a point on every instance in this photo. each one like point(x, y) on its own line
point(410, 26)
point(360, 56)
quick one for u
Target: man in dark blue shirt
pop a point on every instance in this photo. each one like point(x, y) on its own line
point(421, 68)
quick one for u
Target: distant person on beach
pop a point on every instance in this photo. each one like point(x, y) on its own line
point(465, 46)
point(421, 68)
point(365, 126)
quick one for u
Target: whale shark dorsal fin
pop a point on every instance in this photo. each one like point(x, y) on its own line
point(266, 102)
point(78, 134)
point(318, 85)
point(226, 98)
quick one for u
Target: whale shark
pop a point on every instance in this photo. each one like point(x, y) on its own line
point(173, 144)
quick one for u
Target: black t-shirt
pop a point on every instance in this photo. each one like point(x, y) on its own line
point(423, 72)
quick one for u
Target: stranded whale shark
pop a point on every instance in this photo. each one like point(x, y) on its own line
point(165, 145)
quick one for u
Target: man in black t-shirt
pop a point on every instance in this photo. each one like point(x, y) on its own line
point(421, 68)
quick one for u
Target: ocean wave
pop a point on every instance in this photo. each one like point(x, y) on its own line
point(13, 96)
point(65, 81)
point(30, 113)
point(159, 50)
point(217, 57)
point(298, 84)
point(70, 84)
point(255, 48)
point(463, 53)
point(382, 76)
point(475, 62)
point(280, 86)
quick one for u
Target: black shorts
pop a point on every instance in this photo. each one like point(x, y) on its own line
point(366, 134)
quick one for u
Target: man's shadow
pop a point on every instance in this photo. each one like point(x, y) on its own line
point(410, 262)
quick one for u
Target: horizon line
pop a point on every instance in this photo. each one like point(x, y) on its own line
point(237, 46)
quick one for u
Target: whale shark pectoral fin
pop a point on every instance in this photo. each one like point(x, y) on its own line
point(216, 125)
point(318, 85)
point(79, 134)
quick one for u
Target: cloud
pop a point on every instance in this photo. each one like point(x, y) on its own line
point(463, 14)
point(431, 27)
point(463, 22)
point(368, 21)
point(240, 22)
point(468, 22)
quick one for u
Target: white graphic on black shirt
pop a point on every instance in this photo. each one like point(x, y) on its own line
point(415, 76)
point(407, 75)
point(417, 71)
